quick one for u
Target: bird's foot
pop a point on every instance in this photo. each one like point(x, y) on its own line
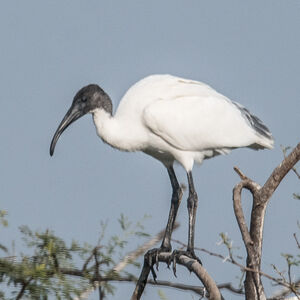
point(151, 258)
point(177, 253)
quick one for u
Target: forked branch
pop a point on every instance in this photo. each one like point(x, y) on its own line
point(253, 238)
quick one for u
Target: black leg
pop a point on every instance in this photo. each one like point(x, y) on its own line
point(151, 257)
point(175, 202)
point(192, 203)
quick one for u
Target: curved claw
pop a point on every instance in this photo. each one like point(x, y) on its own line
point(148, 258)
point(156, 260)
point(151, 257)
point(174, 262)
point(153, 274)
point(177, 253)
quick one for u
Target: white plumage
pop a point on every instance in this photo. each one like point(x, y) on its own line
point(172, 118)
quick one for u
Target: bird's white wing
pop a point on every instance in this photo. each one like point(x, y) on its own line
point(197, 118)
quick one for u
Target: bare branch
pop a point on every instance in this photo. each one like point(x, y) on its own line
point(234, 262)
point(279, 173)
point(237, 191)
point(201, 291)
point(87, 261)
point(298, 244)
point(191, 264)
point(253, 238)
point(284, 150)
point(296, 172)
point(24, 286)
point(282, 294)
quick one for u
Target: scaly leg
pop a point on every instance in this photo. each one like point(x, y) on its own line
point(175, 202)
point(192, 203)
point(152, 255)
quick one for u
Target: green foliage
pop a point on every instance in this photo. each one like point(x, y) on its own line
point(51, 267)
point(3, 221)
point(39, 275)
point(227, 243)
point(291, 260)
point(296, 196)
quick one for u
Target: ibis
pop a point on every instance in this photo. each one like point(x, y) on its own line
point(173, 120)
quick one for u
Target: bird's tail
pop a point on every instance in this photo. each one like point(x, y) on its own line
point(263, 142)
point(264, 135)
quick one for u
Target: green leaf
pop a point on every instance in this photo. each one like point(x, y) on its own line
point(3, 221)
point(296, 196)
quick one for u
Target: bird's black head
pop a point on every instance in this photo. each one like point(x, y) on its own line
point(92, 97)
point(86, 100)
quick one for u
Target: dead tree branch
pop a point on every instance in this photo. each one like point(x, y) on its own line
point(191, 264)
point(253, 238)
point(231, 260)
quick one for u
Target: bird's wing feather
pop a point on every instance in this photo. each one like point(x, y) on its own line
point(195, 117)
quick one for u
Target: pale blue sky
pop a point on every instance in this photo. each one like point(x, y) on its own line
point(247, 50)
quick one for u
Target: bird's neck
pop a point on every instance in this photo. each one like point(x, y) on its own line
point(113, 131)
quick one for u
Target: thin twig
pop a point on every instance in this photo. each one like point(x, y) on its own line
point(279, 173)
point(87, 261)
point(23, 289)
point(284, 150)
point(130, 257)
point(285, 291)
point(240, 173)
point(295, 236)
point(234, 262)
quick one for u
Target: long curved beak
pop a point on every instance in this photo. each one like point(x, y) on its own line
point(72, 115)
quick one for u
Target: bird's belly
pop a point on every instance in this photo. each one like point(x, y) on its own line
point(161, 155)
point(167, 154)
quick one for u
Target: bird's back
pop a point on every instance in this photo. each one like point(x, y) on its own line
point(191, 116)
point(159, 87)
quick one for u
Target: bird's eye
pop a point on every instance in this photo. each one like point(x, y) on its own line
point(83, 99)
